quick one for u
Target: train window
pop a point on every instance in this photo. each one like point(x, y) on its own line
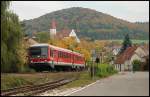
point(79, 58)
point(38, 51)
point(61, 54)
point(51, 52)
point(58, 54)
point(67, 55)
point(75, 57)
point(64, 55)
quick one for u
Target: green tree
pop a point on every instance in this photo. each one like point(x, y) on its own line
point(126, 43)
point(42, 37)
point(11, 37)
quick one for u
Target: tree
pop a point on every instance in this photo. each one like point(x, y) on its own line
point(11, 37)
point(70, 43)
point(42, 37)
point(126, 43)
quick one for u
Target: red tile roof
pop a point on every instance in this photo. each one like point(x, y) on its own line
point(126, 55)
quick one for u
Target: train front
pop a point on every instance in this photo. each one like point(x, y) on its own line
point(39, 58)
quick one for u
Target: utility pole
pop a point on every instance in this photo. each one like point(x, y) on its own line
point(93, 69)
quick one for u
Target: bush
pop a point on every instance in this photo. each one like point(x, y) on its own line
point(26, 69)
point(136, 65)
point(105, 70)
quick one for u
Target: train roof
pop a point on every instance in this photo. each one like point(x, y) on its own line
point(55, 47)
point(39, 44)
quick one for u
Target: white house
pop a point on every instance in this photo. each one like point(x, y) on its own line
point(116, 51)
point(124, 61)
point(73, 34)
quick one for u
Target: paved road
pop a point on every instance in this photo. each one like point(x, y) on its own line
point(128, 84)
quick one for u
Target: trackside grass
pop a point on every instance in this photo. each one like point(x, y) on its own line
point(11, 80)
point(84, 77)
point(103, 70)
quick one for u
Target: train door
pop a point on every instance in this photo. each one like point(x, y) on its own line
point(73, 61)
point(52, 57)
point(55, 55)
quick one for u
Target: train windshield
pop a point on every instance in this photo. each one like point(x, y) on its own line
point(36, 52)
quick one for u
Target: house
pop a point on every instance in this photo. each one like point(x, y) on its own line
point(116, 50)
point(124, 61)
point(142, 52)
point(73, 34)
point(65, 33)
point(30, 41)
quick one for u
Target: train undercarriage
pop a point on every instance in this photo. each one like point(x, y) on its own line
point(39, 67)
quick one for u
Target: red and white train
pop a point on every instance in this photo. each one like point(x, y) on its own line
point(45, 56)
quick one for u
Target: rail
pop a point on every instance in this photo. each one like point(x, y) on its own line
point(36, 89)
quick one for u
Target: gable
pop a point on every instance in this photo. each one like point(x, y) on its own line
point(135, 57)
point(140, 52)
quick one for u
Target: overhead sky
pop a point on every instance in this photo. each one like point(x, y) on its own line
point(132, 11)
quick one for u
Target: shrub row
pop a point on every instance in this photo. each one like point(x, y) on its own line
point(104, 70)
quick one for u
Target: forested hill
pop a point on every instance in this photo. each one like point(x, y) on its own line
point(88, 23)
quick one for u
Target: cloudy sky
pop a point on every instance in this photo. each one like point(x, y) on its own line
point(132, 11)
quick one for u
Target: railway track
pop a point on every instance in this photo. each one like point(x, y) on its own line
point(35, 89)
